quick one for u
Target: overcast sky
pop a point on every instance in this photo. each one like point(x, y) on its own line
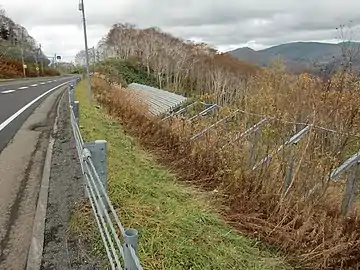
point(56, 24)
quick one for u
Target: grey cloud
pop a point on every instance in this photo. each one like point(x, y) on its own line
point(218, 22)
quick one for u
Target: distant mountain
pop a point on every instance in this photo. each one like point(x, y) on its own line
point(300, 56)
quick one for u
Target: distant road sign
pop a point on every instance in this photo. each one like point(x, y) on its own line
point(37, 68)
point(58, 57)
point(25, 66)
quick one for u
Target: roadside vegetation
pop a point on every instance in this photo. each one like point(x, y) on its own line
point(179, 226)
point(17, 45)
point(255, 201)
point(302, 216)
point(12, 68)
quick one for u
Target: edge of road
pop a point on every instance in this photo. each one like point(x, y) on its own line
point(37, 240)
point(24, 108)
point(6, 82)
point(23, 161)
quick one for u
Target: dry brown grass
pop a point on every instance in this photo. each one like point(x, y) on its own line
point(310, 230)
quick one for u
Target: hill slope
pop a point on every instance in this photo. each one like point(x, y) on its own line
point(298, 56)
point(15, 43)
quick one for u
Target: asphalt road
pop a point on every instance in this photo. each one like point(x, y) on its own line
point(19, 98)
point(28, 109)
point(21, 173)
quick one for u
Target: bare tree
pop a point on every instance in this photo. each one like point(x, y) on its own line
point(183, 65)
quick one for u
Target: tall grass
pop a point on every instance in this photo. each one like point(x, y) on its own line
point(309, 229)
point(147, 197)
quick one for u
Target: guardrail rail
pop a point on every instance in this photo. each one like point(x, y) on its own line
point(92, 157)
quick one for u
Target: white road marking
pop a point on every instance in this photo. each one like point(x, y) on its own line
point(24, 87)
point(33, 85)
point(7, 91)
point(42, 83)
point(11, 118)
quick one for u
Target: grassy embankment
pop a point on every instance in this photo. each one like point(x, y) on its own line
point(299, 219)
point(178, 227)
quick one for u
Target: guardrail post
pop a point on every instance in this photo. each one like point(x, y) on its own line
point(130, 239)
point(350, 190)
point(98, 150)
point(76, 111)
point(71, 95)
point(85, 154)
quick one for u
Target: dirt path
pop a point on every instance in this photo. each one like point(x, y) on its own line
point(62, 250)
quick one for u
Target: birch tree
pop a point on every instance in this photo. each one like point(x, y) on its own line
point(183, 66)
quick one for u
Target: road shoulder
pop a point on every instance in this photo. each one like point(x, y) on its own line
point(21, 164)
point(63, 249)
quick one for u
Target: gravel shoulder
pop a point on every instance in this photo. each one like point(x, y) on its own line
point(63, 249)
point(21, 164)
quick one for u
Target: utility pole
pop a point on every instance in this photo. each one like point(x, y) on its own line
point(42, 66)
point(82, 9)
point(36, 62)
point(37, 66)
point(94, 59)
point(22, 61)
point(22, 53)
point(42, 61)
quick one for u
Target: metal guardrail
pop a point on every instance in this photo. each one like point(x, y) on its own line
point(92, 157)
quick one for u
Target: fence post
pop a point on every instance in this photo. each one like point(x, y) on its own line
point(98, 150)
point(76, 111)
point(253, 143)
point(289, 171)
point(350, 190)
point(130, 239)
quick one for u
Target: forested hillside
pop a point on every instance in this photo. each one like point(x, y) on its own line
point(16, 44)
point(182, 66)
